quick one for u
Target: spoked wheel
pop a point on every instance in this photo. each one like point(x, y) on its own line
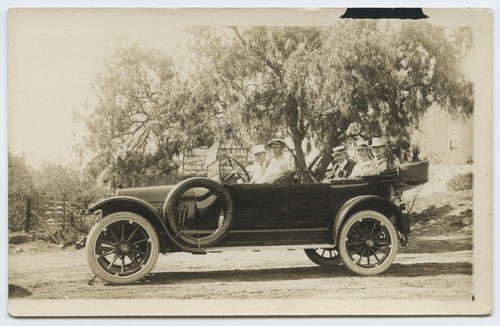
point(122, 248)
point(368, 243)
point(324, 256)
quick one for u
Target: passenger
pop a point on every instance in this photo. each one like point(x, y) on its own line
point(256, 170)
point(343, 165)
point(364, 159)
point(278, 165)
point(380, 163)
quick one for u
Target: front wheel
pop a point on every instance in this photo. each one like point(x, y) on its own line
point(368, 243)
point(122, 248)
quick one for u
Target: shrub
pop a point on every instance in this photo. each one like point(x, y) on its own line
point(430, 213)
point(461, 182)
point(20, 238)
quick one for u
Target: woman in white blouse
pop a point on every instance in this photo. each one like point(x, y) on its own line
point(364, 159)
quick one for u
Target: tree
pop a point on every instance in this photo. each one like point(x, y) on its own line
point(21, 189)
point(77, 189)
point(258, 74)
point(393, 74)
point(317, 85)
point(332, 85)
point(145, 116)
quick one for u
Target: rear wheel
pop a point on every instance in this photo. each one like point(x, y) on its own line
point(122, 248)
point(368, 243)
point(324, 256)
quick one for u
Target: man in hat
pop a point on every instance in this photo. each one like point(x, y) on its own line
point(278, 165)
point(364, 159)
point(379, 163)
point(343, 166)
point(257, 169)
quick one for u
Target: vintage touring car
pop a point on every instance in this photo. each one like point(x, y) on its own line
point(353, 222)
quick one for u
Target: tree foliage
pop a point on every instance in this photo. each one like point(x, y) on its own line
point(260, 74)
point(377, 79)
point(331, 85)
point(21, 189)
point(52, 182)
point(79, 189)
point(318, 85)
point(146, 115)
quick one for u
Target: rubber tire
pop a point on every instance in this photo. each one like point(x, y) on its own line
point(320, 260)
point(341, 243)
point(91, 245)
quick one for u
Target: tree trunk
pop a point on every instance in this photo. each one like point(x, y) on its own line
point(300, 159)
point(27, 226)
point(326, 159)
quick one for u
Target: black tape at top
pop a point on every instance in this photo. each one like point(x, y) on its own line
point(384, 13)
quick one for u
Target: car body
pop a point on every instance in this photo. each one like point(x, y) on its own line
point(348, 221)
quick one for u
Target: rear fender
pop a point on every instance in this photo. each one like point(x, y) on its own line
point(370, 202)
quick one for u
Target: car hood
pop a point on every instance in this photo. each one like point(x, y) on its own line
point(156, 195)
point(150, 194)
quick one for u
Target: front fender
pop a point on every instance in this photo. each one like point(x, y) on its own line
point(134, 205)
point(120, 203)
point(371, 202)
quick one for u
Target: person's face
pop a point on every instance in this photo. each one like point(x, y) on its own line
point(276, 150)
point(378, 151)
point(260, 157)
point(339, 157)
point(362, 153)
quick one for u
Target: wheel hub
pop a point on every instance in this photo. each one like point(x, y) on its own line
point(124, 248)
point(370, 243)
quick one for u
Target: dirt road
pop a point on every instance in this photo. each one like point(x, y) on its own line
point(64, 274)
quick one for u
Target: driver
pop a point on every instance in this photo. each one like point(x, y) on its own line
point(278, 166)
point(257, 169)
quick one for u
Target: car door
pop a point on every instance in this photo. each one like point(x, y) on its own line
point(261, 206)
point(309, 205)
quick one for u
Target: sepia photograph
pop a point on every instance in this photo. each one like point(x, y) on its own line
point(250, 161)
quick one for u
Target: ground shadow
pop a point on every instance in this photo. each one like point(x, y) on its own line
point(299, 273)
point(15, 291)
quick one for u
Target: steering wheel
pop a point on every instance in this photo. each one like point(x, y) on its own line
point(238, 169)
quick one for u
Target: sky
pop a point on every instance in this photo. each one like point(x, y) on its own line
point(55, 57)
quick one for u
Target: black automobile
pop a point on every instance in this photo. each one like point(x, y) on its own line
point(353, 222)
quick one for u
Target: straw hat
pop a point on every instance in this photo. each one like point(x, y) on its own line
point(258, 149)
point(338, 149)
point(378, 142)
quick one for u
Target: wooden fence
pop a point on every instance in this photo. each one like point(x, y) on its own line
point(57, 213)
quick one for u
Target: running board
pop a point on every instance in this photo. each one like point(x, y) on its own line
point(262, 248)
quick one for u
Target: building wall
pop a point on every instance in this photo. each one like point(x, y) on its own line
point(444, 139)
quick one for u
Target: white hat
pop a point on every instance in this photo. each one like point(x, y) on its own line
point(338, 149)
point(378, 142)
point(258, 149)
point(360, 144)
